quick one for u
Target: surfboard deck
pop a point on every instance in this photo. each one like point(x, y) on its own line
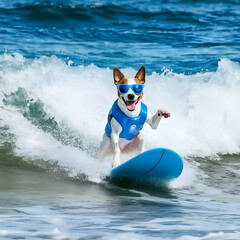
point(158, 163)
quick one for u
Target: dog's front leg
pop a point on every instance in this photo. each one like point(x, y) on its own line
point(116, 130)
point(154, 120)
point(116, 148)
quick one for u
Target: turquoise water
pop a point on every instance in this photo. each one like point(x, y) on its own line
point(56, 89)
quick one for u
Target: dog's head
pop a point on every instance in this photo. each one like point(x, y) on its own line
point(130, 91)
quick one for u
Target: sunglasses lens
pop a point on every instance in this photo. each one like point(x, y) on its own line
point(137, 88)
point(123, 88)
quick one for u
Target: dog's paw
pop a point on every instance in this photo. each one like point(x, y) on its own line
point(164, 113)
point(115, 163)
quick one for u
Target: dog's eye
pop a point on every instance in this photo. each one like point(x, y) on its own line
point(137, 88)
point(123, 88)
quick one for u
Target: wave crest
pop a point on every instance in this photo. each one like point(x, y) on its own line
point(66, 106)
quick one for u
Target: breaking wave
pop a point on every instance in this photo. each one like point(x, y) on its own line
point(55, 111)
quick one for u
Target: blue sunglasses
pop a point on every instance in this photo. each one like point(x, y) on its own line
point(124, 88)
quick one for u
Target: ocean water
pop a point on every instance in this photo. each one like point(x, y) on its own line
point(56, 88)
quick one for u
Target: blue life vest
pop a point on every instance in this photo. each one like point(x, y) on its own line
point(130, 126)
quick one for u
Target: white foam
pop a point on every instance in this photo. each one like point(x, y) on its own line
point(204, 106)
point(34, 144)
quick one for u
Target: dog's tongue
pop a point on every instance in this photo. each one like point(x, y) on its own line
point(131, 105)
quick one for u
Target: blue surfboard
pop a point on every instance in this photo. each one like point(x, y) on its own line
point(158, 163)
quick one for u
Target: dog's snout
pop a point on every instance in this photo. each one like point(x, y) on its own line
point(130, 96)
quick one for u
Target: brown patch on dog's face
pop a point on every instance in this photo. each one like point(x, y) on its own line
point(122, 81)
point(140, 96)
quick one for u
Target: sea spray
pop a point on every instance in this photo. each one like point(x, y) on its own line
point(204, 109)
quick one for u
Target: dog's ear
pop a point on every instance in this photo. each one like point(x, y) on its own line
point(141, 75)
point(117, 75)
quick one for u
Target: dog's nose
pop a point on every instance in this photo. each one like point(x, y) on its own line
point(130, 96)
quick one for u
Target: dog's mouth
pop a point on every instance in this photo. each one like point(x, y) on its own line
point(131, 105)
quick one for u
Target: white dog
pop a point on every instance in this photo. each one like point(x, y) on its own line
point(127, 117)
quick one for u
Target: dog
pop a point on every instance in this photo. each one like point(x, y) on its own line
point(127, 117)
